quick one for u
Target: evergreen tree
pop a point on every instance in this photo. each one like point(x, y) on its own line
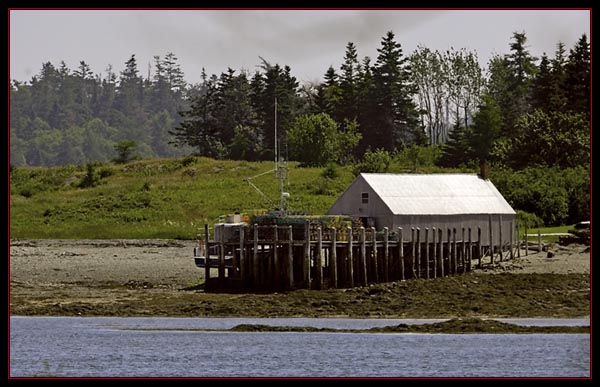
point(329, 94)
point(106, 97)
point(84, 78)
point(522, 69)
point(130, 90)
point(348, 106)
point(43, 94)
point(274, 82)
point(558, 99)
point(543, 85)
point(130, 103)
point(396, 122)
point(457, 150)
point(199, 126)
point(487, 125)
point(578, 68)
point(367, 103)
point(233, 105)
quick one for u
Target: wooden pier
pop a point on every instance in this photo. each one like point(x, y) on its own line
point(286, 257)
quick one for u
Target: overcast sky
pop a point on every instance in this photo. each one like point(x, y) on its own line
point(308, 41)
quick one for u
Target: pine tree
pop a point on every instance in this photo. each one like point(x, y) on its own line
point(487, 124)
point(457, 150)
point(130, 89)
point(558, 99)
point(396, 122)
point(578, 77)
point(543, 85)
point(522, 69)
point(350, 69)
point(329, 94)
point(274, 82)
point(199, 126)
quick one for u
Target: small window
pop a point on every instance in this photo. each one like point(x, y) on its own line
point(365, 198)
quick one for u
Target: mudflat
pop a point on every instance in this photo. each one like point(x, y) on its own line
point(159, 278)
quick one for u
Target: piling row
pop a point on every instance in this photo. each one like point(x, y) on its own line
point(282, 257)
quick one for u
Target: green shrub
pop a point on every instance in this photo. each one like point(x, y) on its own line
point(27, 191)
point(188, 160)
point(106, 172)
point(577, 181)
point(125, 152)
point(373, 162)
point(91, 178)
point(545, 192)
point(417, 156)
point(528, 220)
point(330, 171)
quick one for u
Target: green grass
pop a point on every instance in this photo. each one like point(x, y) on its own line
point(167, 198)
point(548, 230)
point(159, 198)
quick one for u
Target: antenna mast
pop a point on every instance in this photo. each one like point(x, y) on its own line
point(280, 172)
point(276, 154)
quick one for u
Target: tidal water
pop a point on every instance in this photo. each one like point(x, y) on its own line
point(177, 347)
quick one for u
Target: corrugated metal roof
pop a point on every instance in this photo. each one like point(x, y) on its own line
point(437, 194)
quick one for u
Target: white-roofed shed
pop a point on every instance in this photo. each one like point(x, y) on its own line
point(427, 200)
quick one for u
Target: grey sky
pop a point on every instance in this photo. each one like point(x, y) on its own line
point(308, 41)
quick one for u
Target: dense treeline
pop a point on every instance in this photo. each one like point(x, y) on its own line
point(520, 114)
point(71, 117)
point(532, 114)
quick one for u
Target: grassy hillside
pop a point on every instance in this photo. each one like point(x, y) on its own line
point(160, 198)
point(170, 198)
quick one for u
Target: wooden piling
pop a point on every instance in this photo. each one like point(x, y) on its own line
point(222, 259)
point(242, 256)
point(255, 263)
point(401, 253)
point(306, 258)
point(276, 263)
point(526, 241)
point(434, 251)
point(463, 248)
point(454, 257)
point(412, 251)
point(539, 241)
point(206, 254)
point(441, 252)
point(449, 271)
point(479, 246)
point(333, 260)
point(426, 252)
point(350, 258)
point(491, 239)
point(363, 256)
point(500, 237)
point(510, 238)
point(470, 252)
point(417, 259)
point(386, 262)
point(374, 250)
point(518, 239)
point(319, 263)
point(290, 262)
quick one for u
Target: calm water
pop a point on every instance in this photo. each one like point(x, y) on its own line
point(109, 347)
